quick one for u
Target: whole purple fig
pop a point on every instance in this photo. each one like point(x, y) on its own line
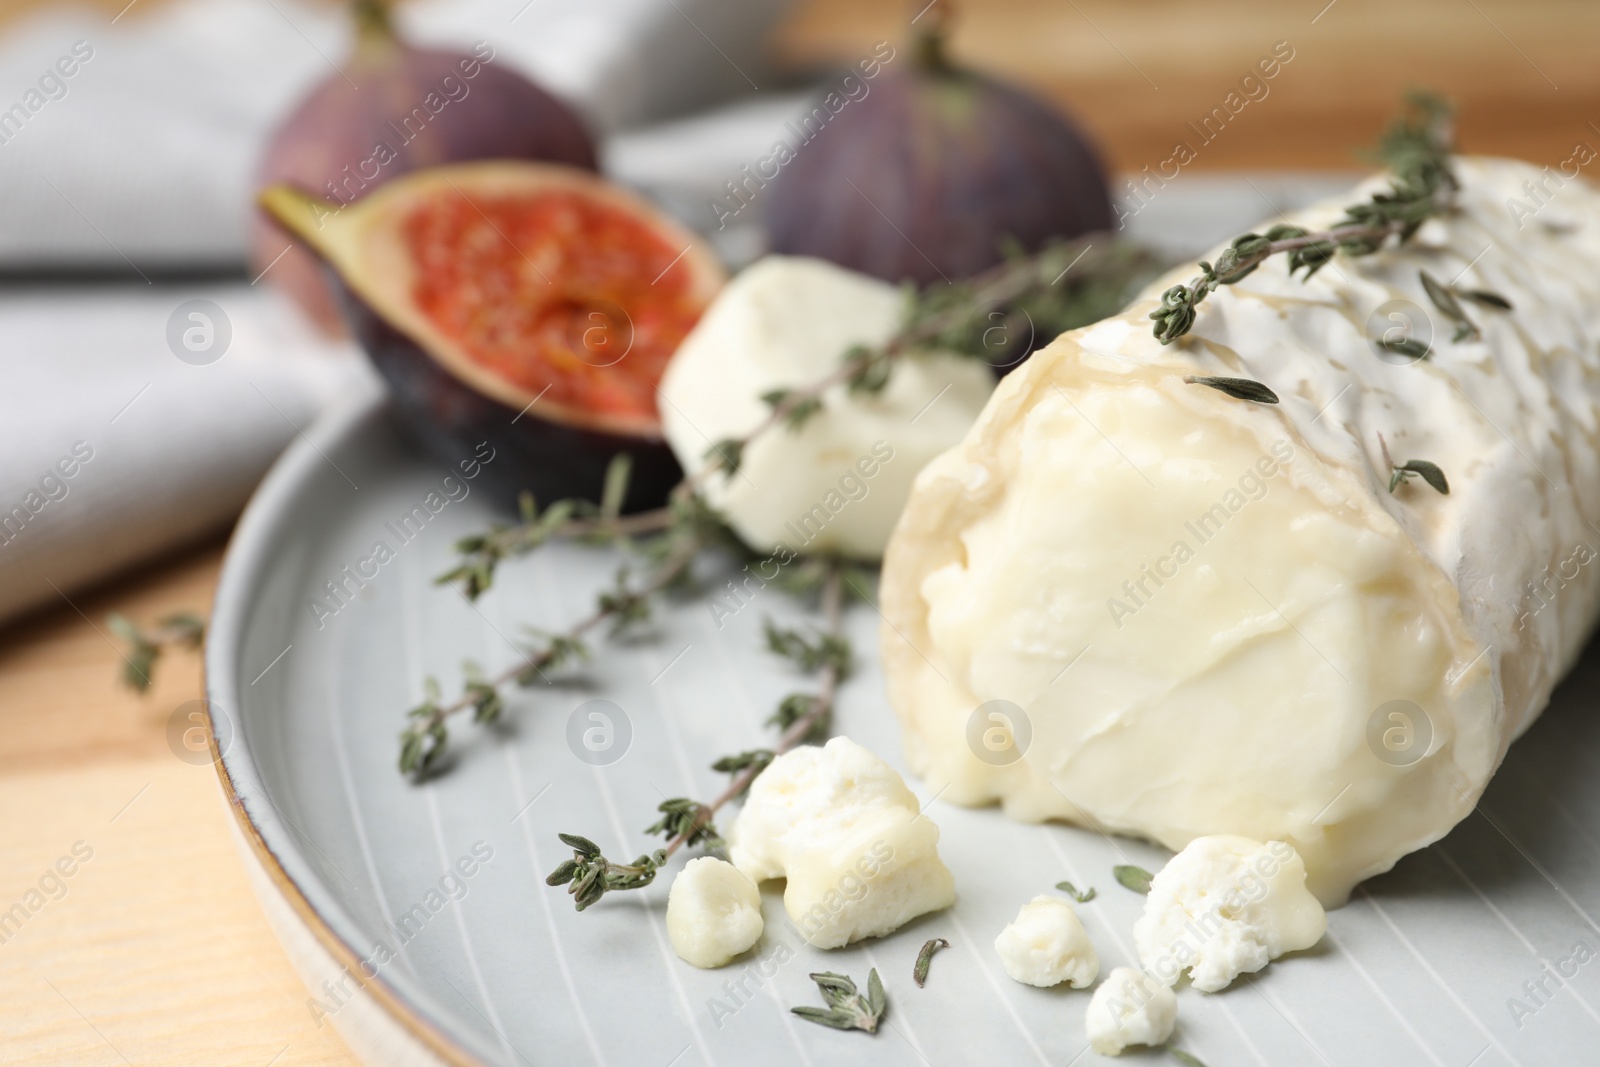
point(395, 109)
point(929, 172)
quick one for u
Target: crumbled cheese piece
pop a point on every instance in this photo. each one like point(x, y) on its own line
point(839, 482)
point(1046, 945)
point(713, 912)
point(1223, 906)
point(1130, 1008)
point(841, 826)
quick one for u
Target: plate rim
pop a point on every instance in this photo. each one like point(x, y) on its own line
point(248, 550)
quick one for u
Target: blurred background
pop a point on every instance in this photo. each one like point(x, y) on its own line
point(132, 139)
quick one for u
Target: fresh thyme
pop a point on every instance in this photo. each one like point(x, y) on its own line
point(1239, 388)
point(1131, 877)
point(1485, 297)
point(919, 973)
point(482, 553)
point(1072, 891)
point(1444, 298)
point(588, 875)
point(686, 819)
point(847, 1008)
point(622, 606)
point(1399, 474)
point(182, 629)
point(1416, 150)
point(689, 822)
point(999, 316)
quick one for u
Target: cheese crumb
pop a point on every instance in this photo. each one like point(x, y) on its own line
point(713, 912)
point(1046, 945)
point(839, 482)
point(1224, 906)
point(1130, 1008)
point(841, 826)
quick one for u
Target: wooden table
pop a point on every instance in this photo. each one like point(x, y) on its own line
point(157, 952)
point(154, 951)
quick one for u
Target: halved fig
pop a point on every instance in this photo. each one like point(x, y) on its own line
point(530, 305)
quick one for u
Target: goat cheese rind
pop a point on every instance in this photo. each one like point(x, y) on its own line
point(1129, 1008)
point(1212, 611)
point(1046, 945)
point(840, 825)
point(1223, 907)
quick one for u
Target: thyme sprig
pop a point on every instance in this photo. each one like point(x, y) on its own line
point(582, 520)
point(182, 629)
point(999, 316)
point(847, 1008)
point(689, 822)
point(588, 875)
point(624, 605)
point(1416, 150)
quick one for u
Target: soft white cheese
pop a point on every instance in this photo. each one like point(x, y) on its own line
point(1129, 1008)
point(1046, 945)
point(713, 912)
point(1213, 615)
point(1223, 907)
point(841, 826)
point(838, 483)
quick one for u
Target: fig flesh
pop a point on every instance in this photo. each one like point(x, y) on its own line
point(394, 109)
point(528, 305)
point(933, 173)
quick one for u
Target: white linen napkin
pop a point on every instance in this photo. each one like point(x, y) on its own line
point(112, 448)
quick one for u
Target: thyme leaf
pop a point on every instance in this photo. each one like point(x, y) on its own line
point(919, 973)
point(1131, 877)
point(1486, 298)
point(182, 629)
point(1072, 891)
point(1240, 388)
point(1430, 472)
point(1444, 298)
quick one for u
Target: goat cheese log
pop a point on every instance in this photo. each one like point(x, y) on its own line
point(1181, 613)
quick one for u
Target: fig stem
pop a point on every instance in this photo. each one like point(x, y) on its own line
point(374, 25)
point(929, 53)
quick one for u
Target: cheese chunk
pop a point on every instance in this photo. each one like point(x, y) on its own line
point(839, 482)
point(1046, 945)
point(1203, 615)
point(1223, 907)
point(1129, 1008)
point(713, 912)
point(841, 826)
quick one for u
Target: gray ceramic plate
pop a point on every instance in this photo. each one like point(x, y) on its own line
point(1431, 963)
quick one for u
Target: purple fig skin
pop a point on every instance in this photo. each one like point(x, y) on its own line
point(946, 166)
point(334, 136)
point(450, 420)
